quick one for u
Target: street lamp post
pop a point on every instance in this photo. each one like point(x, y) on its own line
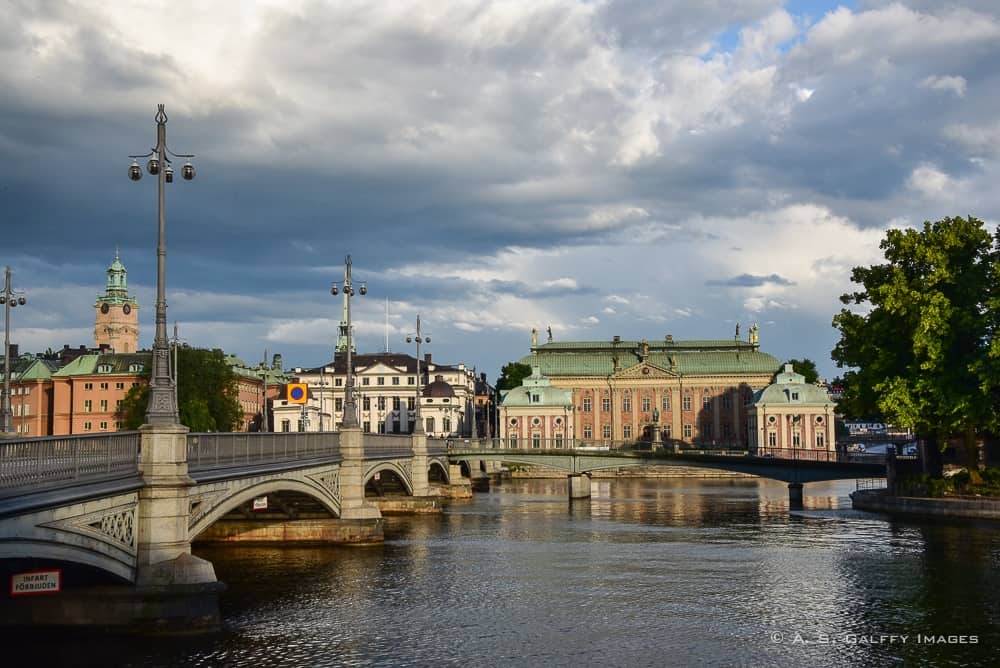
point(350, 406)
point(418, 426)
point(10, 299)
point(162, 406)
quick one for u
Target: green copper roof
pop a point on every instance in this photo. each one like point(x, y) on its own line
point(790, 388)
point(118, 363)
point(536, 390)
point(686, 358)
point(35, 369)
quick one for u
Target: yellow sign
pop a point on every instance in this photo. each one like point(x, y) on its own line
point(296, 393)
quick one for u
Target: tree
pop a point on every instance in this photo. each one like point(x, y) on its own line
point(512, 374)
point(806, 367)
point(924, 354)
point(206, 393)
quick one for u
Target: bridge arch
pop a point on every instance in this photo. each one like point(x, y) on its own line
point(403, 474)
point(219, 507)
point(51, 550)
point(438, 472)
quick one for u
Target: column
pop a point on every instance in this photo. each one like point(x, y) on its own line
point(418, 468)
point(352, 482)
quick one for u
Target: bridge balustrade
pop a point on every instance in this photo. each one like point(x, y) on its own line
point(227, 450)
point(803, 454)
point(51, 462)
point(387, 446)
point(437, 446)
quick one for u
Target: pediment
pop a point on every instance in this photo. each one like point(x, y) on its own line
point(645, 370)
point(379, 369)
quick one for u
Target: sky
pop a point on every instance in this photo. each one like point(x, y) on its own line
point(601, 167)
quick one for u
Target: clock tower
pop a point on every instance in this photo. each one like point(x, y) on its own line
point(116, 320)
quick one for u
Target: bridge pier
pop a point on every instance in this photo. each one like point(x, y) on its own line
point(459, 486)
point(795, 496)
point(352, 484)
point(579, 486)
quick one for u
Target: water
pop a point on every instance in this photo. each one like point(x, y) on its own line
point(647, 573)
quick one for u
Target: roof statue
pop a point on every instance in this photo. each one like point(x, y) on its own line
point(550, 333)
point(534, 337)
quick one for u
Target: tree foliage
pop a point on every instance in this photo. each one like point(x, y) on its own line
point(806, 367)
point(512, 374)
point(922, 348)
point(206, 394)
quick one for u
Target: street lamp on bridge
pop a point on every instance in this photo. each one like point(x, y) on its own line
point(350, 419)
point(418, 427)
point(10, 299)
point(162, 406)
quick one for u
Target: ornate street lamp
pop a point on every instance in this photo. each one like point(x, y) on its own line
point(350, 406)
point(418, 426)
point(10, 299)
point(162, 406)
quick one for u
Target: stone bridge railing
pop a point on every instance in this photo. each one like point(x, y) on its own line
point(387, 446)
point(52, 462)
point(230, 450)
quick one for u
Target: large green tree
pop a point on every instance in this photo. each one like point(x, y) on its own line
point(921, 348)
point(512, 374)
point(206, 393)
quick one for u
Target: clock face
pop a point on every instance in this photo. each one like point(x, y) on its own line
point(105, 308)
point(126, 309)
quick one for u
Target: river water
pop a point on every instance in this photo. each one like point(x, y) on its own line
point(648, 572)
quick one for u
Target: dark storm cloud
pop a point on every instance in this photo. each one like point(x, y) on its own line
point(751, 281)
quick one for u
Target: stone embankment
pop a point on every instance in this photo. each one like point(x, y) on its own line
point(633, 472)
point(877, 500)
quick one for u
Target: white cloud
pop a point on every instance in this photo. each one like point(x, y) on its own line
point(930, 181)
point(946, 83)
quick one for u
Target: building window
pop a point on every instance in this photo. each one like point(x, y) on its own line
point(104, 386)
point(536, 440)
point(588, 431)
point(88, 406)
point(586, 404)
point(627, 431)
point(301, 425)
point(381, 403)
point(366, 403)
point(606, 404)
point(606, 431)
point(706, 401)
point(395, 403)
point(706, 430)
point(88, 386)
point(795, 396)
point(87, 426)
point(536, 398)
point(395, 380)
point(727, 401)
point(380, 380)
point(820, 440)
point(132, 368)
point(513, 441)
point(411, 380)
point(338, 382)
point(686, 403)
point(666, 404)
point(338, 404)
point(645, 404)
point(411, 403)
point(627, 403)
point(104, 426)
point(667, 432)
point(104, 405)
point(395, 426)
point(27, 409)
point(559, 440)
point(446, 425)
point(687, 430)
point(772, 439)
point(364, 381)
point(286, 425)
point(366, 427)
point(118, 426)
point(429, 425)
point(119, 386)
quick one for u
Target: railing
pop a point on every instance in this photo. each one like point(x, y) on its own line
point(225, 450)
point(437, 446)
point(802, 454)
point(870, 483)
point(387, 446)
point(51, 462)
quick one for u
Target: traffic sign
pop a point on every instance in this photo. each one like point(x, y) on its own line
point(296, 393)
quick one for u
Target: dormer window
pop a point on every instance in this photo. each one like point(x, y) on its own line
point(103, 368)
point(795, 396)
point(133, 368)
point(535, 398)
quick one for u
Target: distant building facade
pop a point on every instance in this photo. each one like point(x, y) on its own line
point(622, 391)
point(537, 415)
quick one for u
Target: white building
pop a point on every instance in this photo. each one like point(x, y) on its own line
point(385, 386)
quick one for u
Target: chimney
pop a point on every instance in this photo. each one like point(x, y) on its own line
point(616, 339)
point(427, 358)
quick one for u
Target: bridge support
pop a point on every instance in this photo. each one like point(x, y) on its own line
point(352, 484)
point(460, 487)
point(795, 496)
point(418, 470)
point(579, 486)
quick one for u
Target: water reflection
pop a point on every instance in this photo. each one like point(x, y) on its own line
point(646, 572)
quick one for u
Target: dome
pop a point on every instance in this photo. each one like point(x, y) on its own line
point(439, 388)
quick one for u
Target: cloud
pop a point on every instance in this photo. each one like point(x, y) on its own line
point(751, 281)
point(945, 83)
point(929, 181)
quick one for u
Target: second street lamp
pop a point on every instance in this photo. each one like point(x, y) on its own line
point(418, 426)
point(350, 419)
point(10, 299)
point(162, 406)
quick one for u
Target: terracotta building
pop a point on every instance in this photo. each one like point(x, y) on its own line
point(695, 392)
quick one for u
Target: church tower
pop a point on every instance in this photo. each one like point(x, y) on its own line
point(116, 321)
